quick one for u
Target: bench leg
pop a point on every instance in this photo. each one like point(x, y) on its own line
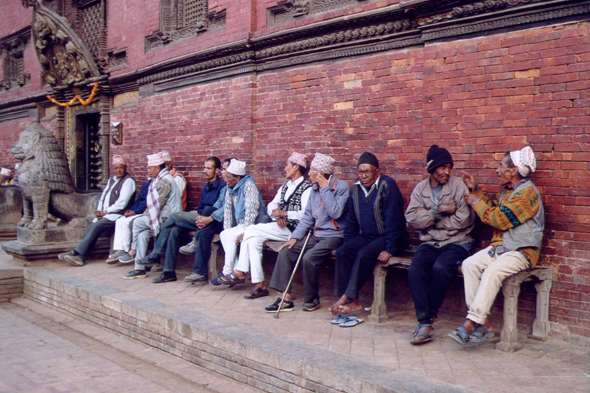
point(541, 324)
point(509, 340)
point(213, 261)
point(379, 308)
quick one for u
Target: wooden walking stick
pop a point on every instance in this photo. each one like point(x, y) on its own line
point(294, 270)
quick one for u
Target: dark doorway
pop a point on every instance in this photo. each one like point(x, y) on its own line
point(88, 165)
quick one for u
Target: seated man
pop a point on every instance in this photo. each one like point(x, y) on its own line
point(6, 178)
point(286, 209)
point(325, 215)
point(518, 219)
point(124, 225)
point(178, 177)
point(375, 231)
point(178, 223)
point(114, 201)
point(243, 206)
point(438, 209)
point(162, 200)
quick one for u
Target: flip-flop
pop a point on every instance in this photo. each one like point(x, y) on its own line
point(417, 341)
point(351, 322)
point(231, 279)
point(256, 293)
point(459, 335)
point(340, 318)
point(481, 334)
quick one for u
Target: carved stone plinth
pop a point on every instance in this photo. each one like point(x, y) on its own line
point(11, 211)
point(34, 245)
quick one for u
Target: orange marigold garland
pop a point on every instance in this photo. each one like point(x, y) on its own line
point(85, 102)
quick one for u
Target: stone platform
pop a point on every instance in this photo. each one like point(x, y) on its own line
point(218, 329)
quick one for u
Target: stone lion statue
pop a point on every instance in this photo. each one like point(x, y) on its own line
point(45, 182)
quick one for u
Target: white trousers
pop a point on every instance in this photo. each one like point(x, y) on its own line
point(251, 247)
point(123, 233)
point(483, 277)
point(230, 248)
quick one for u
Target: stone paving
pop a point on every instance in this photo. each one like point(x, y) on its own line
point(539, 367)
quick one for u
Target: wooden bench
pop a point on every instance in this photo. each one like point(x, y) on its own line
point(543, 275)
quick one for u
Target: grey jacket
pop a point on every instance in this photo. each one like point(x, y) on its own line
point(325, 211)
point(448, 229)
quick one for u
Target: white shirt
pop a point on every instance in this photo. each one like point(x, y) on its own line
point(291, 186)
point(127, 191)
point(375, 185)
point(180, 183)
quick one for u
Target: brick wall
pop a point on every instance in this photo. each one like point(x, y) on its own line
point(479, 98)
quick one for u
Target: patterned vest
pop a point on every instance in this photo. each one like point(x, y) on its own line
point(293, 204)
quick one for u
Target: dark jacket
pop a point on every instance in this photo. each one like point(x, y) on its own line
point(209, 195)
point(140, 204)
point(389, 215)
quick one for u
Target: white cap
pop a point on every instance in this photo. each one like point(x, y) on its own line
point(237, 167)
point(155, 159)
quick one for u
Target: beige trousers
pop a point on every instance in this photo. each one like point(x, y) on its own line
point(483, 277)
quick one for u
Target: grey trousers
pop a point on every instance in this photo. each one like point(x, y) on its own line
point(92, 234)
point(142, 233)
point(318, 250)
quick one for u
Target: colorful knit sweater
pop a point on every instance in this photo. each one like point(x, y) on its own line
point(505, 214)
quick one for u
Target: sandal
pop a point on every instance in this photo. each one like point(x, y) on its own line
point(231, 279)
point(422, 335)
point(460, 335)
point(339, 319)
point(350, 322)
point(481, 334)
point(256, 293)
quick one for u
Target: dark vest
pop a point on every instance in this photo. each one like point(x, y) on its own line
point(293, 204)
point(116, 192)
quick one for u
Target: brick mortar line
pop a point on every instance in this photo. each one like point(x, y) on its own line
point(193, 353)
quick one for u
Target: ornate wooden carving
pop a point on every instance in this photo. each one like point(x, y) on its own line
point(289, 10)
point(181, 19)
point(65, 59)
point(12, 50)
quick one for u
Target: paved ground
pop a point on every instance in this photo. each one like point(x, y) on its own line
point(551, 367)
point(40, 353)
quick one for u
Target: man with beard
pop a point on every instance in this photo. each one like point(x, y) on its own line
point(438, 210)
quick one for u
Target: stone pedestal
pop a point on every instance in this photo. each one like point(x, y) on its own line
point(32, 245)
point(11, 208)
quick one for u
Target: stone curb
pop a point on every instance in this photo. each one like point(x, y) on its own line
point(246, 355)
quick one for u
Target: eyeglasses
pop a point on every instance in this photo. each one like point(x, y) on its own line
point(366, 173)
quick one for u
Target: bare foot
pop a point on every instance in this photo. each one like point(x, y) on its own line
point(352, 307)
point(334, 307)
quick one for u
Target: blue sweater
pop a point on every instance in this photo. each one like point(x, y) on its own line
point(388, 215)
point(140, 204)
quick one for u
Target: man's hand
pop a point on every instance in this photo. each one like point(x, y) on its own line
point(289, 243)
point(101, 214)
point(447, 208)
point(240, 238)
point(470, 199)
point(277, 213)
point(281, 222)
point(322, 181)
point(129, 213)
point(384, 257)
point(203, 221)
point(469, 181)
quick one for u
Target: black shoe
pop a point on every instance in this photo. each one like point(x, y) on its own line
point(287, 306)
point(312, 306)
point(165, 277)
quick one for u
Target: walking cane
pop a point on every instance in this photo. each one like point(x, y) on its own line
point(293, 274)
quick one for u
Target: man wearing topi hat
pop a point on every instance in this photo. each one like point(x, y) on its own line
point(243, 206)
point(325, 214)
point(438, 210)
point(177, 176)
point(286, 209)
point(375, 231)
point(162, 200)
point(6, 177)
point(116, 198)
point(518, 219)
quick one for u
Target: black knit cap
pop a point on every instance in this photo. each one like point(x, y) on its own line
point(368, 158)
point(437, 156)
